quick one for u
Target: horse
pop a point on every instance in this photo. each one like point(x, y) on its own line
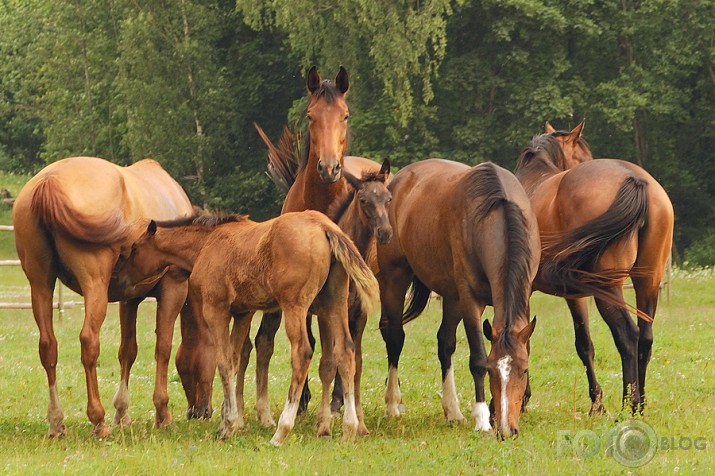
point(71, 220)
point(600, 222)
point(314, 182)
point(295, 262)
point(468, 234)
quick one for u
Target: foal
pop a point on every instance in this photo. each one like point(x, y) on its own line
point(296, 262)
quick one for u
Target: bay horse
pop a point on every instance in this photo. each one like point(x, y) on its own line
point(71, 220)
point(600, 222)
point(295, 262)
point(468, 234)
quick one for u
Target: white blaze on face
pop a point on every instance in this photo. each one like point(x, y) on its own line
point(504, 367)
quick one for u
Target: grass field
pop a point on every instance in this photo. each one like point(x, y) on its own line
point(557, 435)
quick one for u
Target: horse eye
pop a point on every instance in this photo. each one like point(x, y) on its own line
point(309, 117)
point(347, 116)
point(526, 371)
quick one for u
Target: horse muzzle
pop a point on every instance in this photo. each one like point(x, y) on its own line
point(329, 173)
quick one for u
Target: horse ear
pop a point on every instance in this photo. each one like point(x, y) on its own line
point(313, 81)
point(548, 128)
point(576, 131)
point(526, 332)
point(352, 180)
point(385, 169)
point(487, 330)
point(151, 230)
point(342, 81)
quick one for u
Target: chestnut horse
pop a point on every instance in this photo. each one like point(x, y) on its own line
point(468, 234)
point(600, 221)
point(294, 262)
point(71, 219)
point(317, 184)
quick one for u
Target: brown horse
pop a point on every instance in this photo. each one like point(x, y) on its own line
point(468, 234)
point(315, 183)
point(71, 219)
point(600, 221)
point(294, 262)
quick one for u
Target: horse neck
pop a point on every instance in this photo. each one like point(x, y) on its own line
point(354, 225)
point(181, 245)
point(531, 177)
point(316, 194)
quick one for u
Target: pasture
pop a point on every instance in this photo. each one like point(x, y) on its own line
point(557, 435)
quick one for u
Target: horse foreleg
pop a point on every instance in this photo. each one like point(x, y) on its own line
point(305, 394)
point(171, 298)
point(472, 316)
point(585, 351)
point(301, 355)
point(265, 341)
point(127, 356)
point(447, 344)
point(95, 312)
point(625, 335)
point(358, 322)
point(218, 324)
point(326, 369)
point(196, 364)
point(42, 311)
point(241, 352)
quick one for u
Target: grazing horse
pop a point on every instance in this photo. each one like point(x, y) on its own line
point(600, 221)
point(468, 234)
point(71, 219)
point(293, 262)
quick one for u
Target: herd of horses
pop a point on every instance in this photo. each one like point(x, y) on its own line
point(349, 232)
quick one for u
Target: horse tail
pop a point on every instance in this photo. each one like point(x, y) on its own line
point(347, 254)
point(570, 258)
point(282, 160)
point(417, 301)
point(54, 211)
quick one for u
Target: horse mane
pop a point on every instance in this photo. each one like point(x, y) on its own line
point(544, 149)
point(485, 189)
point(55, 213)
point(204, 219)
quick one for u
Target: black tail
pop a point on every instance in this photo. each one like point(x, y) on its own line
point(418, 300)
point(569, 259)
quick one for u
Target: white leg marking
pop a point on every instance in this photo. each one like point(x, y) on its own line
point(350, 419)
point(121, 404)
point(285, 422)
point(480, 412)
point(504, 367)
point(392, 393)
point(450, 401)
point(55, 415)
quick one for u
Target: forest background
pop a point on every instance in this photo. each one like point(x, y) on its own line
point(182, 81)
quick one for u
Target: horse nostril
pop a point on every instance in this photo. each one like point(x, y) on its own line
point(321, 167)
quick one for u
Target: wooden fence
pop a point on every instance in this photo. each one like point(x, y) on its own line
point(60, 304)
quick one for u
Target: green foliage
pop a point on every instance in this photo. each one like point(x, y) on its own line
point(702, 252)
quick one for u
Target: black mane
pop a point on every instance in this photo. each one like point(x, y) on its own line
point(545, 147)
point(204, 219)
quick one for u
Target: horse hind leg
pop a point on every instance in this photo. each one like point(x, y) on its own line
point(42, 311)
point(265, 342)
point(585, 351)
point(625, 335)
point(301, 355)
point(646, 301)
point(127, 356)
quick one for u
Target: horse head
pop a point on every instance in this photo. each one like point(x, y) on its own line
point(373, 198)
point(508, 367)
point(327, 115)
point(575, 148)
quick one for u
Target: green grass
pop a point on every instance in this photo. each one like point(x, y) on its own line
point(681, 403)
point(681, 392)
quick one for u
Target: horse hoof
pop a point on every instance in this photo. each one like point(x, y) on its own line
point(362, 430)
point(266, 421)
point(57, 431)
point(102, 430)
point(224, 433)
point(279, 437)
point(164, 422)
point(123, 421)
point(335, 406)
